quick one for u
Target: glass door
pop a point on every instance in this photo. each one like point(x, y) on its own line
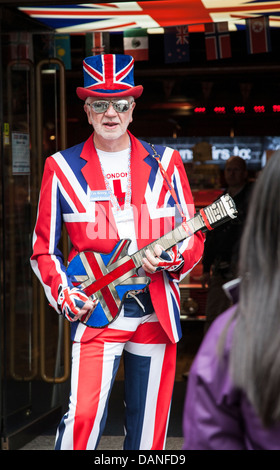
point(35, 352)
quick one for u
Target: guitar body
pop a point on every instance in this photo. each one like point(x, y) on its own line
point(107, 276)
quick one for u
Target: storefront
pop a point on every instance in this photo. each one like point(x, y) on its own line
point(230, 108)
point(35, 348)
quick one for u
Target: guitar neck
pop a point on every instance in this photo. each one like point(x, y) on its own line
point(170, 239)
point(210, 217)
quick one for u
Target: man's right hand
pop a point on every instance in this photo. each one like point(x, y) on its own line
point(74, 304)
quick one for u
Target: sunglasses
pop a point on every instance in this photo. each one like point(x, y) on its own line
point(100, 106)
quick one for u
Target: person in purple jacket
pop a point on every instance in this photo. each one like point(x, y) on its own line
point(233, 392)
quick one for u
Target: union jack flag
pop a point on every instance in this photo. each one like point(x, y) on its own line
point(108, 73)
point(126, 15)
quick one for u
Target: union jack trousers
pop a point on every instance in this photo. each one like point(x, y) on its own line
point(147, 340)
point(149, 360)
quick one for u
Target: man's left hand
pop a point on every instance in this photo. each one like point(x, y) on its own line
point(171, 260)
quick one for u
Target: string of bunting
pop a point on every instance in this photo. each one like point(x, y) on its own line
point(176, 41)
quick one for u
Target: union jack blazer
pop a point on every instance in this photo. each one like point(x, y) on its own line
point(70, 178)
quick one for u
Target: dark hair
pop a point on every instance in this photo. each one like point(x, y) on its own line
point(255, 354)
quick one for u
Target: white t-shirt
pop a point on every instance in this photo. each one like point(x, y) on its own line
point(115, 167)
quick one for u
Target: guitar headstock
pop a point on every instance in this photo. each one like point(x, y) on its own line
point(220, 211)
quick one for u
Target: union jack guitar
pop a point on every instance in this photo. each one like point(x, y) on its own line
point(110, 277)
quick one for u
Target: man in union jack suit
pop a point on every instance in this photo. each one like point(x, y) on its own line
point(104, 190)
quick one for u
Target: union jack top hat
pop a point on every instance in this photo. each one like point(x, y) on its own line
point(109, 75)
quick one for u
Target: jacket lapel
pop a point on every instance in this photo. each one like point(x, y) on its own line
point(94, 177)
point(92, 169)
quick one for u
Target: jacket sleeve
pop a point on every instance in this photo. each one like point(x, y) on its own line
point(47, 259)
point(212, 413)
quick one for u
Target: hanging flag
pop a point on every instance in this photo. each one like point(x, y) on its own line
point(176, 44)
point(258, 35)
point(63, 49)
point(217, 40)
point(97, 43)
point(135, 43)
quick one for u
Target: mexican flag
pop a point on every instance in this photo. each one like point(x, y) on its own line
point(135, 43)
